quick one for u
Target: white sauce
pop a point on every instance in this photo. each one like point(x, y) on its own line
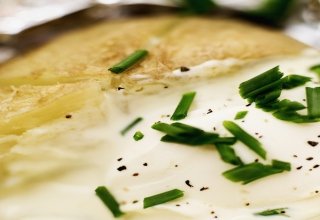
point(72, 197)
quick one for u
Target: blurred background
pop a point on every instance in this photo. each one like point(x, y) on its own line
point(27, 24)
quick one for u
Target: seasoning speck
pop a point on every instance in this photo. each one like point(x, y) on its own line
point(120, 88)
point(135, 201)
point(316, 166)
point(209, 111)
point(68, 116)
point(247, 204)
point(248, 104)
point(188, 183)
point(119, 159)
point(313, 143)
point(135, 174)
point(299, 168)
point(121, 168)
point(176, 165)
point(309, 158)
point(184, 69)
point(145, 164)
point(204, 188)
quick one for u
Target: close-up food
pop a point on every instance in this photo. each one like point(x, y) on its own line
point(178, 115)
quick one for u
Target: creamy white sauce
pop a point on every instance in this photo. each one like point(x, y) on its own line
point(72, 197)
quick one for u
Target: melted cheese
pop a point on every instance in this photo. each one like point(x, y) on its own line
point(72, 197)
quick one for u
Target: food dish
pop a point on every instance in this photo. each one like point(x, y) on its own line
point(62, 139)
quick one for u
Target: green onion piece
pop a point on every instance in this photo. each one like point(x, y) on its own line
point(292, 81)
point(131, 125)
point(281, 165)
point(197, 7)
point(108, 199)
point(254, 86)
point(267, 98)
point(204, 139)
point(177, 129)
point(316, 69)
point(241, 115)
point(313, 102)
point(294, 117)
point(138, 136)
point(183, 106)
point(262, 93)
point(287, 105)
point(245, 138)
point(270, 212)
point(162, 198)
point(129, 61)
point(250, 172)
point(228, 154)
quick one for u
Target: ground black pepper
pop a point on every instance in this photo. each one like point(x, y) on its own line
point(121, 168)
point(188, 183)
point(184, 69)
point(313, 143)
point(204, 188)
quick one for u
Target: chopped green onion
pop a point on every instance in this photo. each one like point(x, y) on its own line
point(294, 117)
point(129, 61)
point(267, 98)
point(108, 199)
point(313, 102)
point(250, 172)
point(131, 125)
point(138, 136)
point(183, 106)
point(245, 138)
point(281, 165)
point(198, 7)
point(270, 212)
point(228, 154)
point(177, 129)
point(204, 139)
point(292, 81)
point(316, 69)
point(241, 115)
point(162, 198)
point(260, 83)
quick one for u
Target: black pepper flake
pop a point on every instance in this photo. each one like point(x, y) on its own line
point(304, 100)
point(184, 69)
point(248, 104)
point(212, 212)
point(121, 168)
point(145, 164)
point(135, 174)
point(204, 188)
point(188, 183)
point(318, 136)
point(119, 159)
point(68, 116)
point(177, 205)
point(209, 111)
point(166, 87)
point(176, 165)
point(309, 158)
point(135, 201)
point(260, 136)
point(299, 168)
point(243, 121)
point(256, 160)
point(295, 156)
point(247, 204)
point(313, 143)
point(316, 191)
point(316, 166)
point(120, 88)
point(256, 133)
point(214, 128)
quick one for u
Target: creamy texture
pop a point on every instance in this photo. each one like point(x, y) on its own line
point(164, 166)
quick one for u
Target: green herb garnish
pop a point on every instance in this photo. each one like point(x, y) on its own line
point(131, 125)
point(228, 154)
point(197, 7)
point(183, 106)
point(245, 138)
point(129, 61)
point(281, 165)
point(138, 136)
point(316, 69)
point(313, 102)
point(269, 212)
point(292, 81)
point(260, 84)
point(294, 117)
point(253, 171)
point(162, 198)
point(186, 134)
point(107, 198)
point(241, 115)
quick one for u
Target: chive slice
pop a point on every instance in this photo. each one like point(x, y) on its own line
point(129, 61)
point(267, 98)
point(313, 102)
point(281, 165)
point(107, 198)
point(295, 117)
point(241, 115)
point(183, 106)
point(131, 125)
point(228, 154)
point(270, 212)
point(250, 172)
point(162, 198)
point(198, 7)
point(316, 69)
point(292, 81)
point(177, 129)
point(245, 138)
point(254, 86)
point(138, 136)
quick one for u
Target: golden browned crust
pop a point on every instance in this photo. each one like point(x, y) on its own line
point(171, 41)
